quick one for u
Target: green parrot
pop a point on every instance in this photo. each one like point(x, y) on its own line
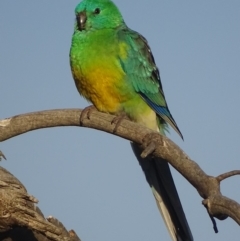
point(113, 68)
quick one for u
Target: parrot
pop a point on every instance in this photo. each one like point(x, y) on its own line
point(114, 69)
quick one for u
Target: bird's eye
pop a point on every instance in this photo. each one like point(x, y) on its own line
point(97, 11)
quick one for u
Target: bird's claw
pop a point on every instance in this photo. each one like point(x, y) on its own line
point(151, 141)
point(117, 121)
point(86, 112)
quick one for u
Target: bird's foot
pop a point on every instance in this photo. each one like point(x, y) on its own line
point(117, 121)
point(86, 112)
point(151, 141)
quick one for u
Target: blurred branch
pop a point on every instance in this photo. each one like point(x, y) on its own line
point(21, 219)
point(207, 186)
point(2, 156)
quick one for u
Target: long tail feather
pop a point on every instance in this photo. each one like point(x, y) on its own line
point(160, 179)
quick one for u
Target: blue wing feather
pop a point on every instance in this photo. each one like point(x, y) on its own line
point(164, 113)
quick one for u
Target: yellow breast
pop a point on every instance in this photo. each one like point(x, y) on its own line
point(101, 84)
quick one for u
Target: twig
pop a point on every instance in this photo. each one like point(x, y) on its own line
point(227, 175)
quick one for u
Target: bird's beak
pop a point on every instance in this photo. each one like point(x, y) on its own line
point(81, 20)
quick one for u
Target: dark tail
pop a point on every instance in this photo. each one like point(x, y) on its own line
point(160, 179)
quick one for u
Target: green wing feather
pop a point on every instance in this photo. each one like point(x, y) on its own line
point(142, 72)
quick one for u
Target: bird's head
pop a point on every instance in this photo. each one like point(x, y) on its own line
point(97, 14)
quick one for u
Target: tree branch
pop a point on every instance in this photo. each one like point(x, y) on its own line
point(207, 186)
point(21, 219)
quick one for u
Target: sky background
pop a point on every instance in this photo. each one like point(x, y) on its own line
point(90, 180)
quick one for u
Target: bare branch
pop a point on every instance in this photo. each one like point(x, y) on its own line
point(227, 175)
point(207, 186)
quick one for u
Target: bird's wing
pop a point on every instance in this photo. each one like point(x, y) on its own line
point(142, 72)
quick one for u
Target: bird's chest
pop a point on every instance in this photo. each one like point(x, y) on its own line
point(99, 76)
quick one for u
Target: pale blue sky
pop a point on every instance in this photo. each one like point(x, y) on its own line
point(90, 180)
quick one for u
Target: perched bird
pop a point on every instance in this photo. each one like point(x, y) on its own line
point(113, 68)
